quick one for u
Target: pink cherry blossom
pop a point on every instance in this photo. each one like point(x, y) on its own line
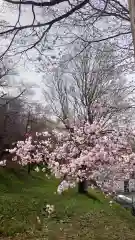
point(86, 152)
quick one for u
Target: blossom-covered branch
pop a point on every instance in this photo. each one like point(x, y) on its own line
point(82, 154)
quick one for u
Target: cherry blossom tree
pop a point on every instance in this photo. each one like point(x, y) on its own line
point(80, 155)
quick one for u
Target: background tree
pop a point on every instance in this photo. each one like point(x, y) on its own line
point(10, 104)
point(92, 79)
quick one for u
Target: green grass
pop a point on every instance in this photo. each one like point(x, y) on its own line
point(23, 198)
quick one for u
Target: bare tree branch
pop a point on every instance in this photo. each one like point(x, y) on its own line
point(50, 23)
point(37, 4)
point(72, 14)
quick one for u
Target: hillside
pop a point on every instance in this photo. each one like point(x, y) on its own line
point(23, 198)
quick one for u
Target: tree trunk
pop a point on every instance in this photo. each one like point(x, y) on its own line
point(83, 186)
point(29, 168)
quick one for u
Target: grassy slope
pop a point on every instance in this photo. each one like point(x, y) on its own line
point(23, 197)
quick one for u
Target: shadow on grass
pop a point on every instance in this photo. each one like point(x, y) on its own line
point(91, 196)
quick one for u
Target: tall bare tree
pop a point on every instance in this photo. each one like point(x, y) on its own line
point(90, 87)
